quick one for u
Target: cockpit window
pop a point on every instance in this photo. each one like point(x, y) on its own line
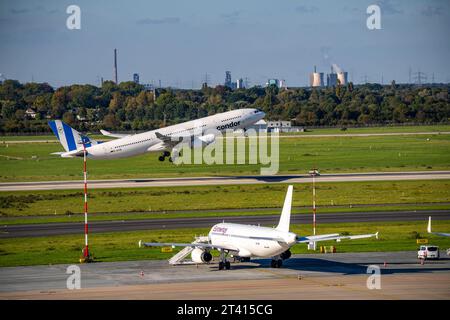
point(258, 111)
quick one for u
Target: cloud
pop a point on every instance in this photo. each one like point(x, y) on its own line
point(430, 11)
point(231, 17)
point(354, 9)
point(166, 20)
point(38, 8)
point(387, 7)
point(20, 11)
point(306, 9)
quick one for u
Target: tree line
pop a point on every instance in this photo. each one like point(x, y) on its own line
point(130, 107)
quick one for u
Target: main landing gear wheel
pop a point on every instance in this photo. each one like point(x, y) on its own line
point(164, 156)
point(276, 263)
point(221, 265)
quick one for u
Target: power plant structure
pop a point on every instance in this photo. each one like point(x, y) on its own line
point(342, 78)
point(240, 84)
point(332, 78)
point(228, 79)
point(316, 79)
point(136, 78)
point(337, 76)
point(115, 66)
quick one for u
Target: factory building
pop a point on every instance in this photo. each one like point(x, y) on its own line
point(136, 78)
point(240, 84)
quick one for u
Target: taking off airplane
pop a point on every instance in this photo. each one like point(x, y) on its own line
point(164, 140)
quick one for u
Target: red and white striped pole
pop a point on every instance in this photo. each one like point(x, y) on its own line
point(86, 248)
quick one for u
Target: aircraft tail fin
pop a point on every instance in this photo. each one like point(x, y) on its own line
point(429, 224)
point(69, 138)
point(285, 218)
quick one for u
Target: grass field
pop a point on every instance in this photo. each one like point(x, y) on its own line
point(33, 162)
point(309, 131)
point(124, 246)
point(157, 199)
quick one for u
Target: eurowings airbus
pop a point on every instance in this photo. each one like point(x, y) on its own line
point(164, 140)
point(247, 241)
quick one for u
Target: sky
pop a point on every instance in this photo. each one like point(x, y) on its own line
point(180, 41)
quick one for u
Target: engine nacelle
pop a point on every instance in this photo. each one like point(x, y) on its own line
point(286, 255)
point(201, 256)
point(203, 141)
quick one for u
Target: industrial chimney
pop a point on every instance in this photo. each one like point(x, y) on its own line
point(115, 66)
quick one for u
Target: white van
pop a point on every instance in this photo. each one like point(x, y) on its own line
point(428, 252)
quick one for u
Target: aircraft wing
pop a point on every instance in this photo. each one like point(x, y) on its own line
point(334, 236)
point(114, 135)
point(192, 245)
point(441, 234)
point(169, 142)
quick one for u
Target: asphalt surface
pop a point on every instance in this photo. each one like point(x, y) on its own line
point(226, 180)
point(52, 229)
point(303, 276)
point(293, 136)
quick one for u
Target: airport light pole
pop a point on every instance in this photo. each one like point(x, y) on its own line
point(313, 173)
point(314, 201)
point(86, 255)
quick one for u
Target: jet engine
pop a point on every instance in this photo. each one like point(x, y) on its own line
point(286, 255)
point(203, 141)
point(201, 256)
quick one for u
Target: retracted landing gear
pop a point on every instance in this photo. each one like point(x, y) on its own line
point(223, 263)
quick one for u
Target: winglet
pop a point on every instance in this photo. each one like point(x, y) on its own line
point(376, 235)
point(429, 224)
point(140, 243)
point(285, 218)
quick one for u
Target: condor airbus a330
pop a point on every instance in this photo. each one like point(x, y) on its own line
point(164, 140)
point(247, 241)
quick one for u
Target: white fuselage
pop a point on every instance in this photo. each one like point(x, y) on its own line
point(251, 241)
point(148, 142)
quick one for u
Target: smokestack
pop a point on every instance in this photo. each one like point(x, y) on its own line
point(115, 66)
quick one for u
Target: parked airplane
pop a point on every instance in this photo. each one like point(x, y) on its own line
point(164, 140)
point(247, 241)
point(436, 233)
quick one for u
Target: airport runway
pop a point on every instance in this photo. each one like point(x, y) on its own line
point(305, 276)
point(52, 229)
point(224, 180)
point(293, 136)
